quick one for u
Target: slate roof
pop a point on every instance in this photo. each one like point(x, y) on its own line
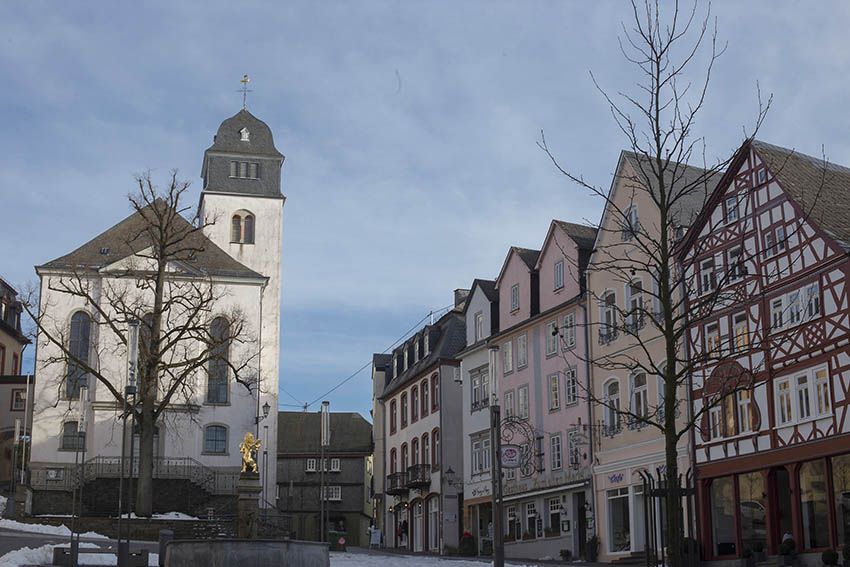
point(228, 139)
point(129, 237)
point(584, 236)
point(527, 255)
point(299, 432)
point(821, 189)
point(689, 206)
point(451, 340)
point(488, 287)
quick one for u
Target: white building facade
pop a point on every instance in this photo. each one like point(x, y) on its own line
point(198, 434)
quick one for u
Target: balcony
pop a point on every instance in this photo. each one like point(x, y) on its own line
point(607, 335)
point(397, 483)
point(418, 476)
point(634, 323)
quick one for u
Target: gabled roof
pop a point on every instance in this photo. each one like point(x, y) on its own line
point(527, 255)
point(299, 432)
point(820, 188)
point(129, 237)
point(451, 340)
point(583, 235)
point(487, 287)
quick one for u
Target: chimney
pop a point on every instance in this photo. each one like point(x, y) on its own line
point(460, 297)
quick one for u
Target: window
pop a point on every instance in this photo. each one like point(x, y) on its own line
point(333, 493)
point(795, 308)
point(570, 386)
point(762, 176)
point(531, 519)
point(70, 436)
point(245, 170)
point(731, 209)
point(640, 395)
point(507, 357)
point(708, 278)
point(777, 311)
point(426, 449)
point(742, 332)
point(612, 406)
point(813, 504)
point(631, 224)
point(435, 449)
point(514, 297)
point(715, 419)
point(404, 410)
point(745, 411)
point(479, 326)
point(551, 338)
point(335, 465)
point(393, 416)
point(248, 230)
point(78, 347)
point(405, 457)
point(780, 239)
point(236, 229)
point(414, 451)
point(555, 515)
point(480, 452)
point(424, 389)
point(712, 339)
point(215, 439)
point(822, 398)
point(435, 393)
point(19, 399)
point(523, 402)
point(522, 351)
point(811, 297)
point(218, 370)
point(723, 512)
point(559, 274)
point(634, 302)
point(509, 404)
point(769, 244)
point(783, 396)
point(15, 367)
point(609, 315)
point(480, 389)
point(619, 534)
point(841, 491)
point(311, 465)
point(572, 448)
point(513, 529)
point(554, 392)
point(414, 404)
point(393, 461)
point(555, 451)
point(406, 361)
point(569, 331)
point(804, 408)
point(737, 269)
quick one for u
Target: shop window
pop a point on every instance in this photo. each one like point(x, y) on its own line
point(813, 508)
point(752, 492)
point(841, 489)
point(619, 536)
point(723, 516)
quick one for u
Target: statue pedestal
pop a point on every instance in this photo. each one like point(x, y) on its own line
point(248, 506)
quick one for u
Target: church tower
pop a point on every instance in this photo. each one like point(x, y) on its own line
point(241, 197)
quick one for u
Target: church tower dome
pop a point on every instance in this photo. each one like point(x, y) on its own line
point(243, 158)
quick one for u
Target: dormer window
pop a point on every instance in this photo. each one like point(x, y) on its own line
point(244, 135)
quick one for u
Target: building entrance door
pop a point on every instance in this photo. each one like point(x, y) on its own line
point(780, 501)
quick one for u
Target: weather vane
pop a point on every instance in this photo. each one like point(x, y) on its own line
point(245, 90)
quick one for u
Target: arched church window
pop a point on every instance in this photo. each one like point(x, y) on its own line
point(248, 230)
point(236, 229)
point(218, 367)
point(79, 346)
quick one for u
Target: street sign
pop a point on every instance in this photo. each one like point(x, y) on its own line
point(511, 457)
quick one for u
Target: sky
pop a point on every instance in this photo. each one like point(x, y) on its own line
point(410, 131)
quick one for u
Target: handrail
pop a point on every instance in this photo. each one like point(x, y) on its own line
point(213, 481)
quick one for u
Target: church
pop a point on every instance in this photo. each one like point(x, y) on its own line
point(83, 367)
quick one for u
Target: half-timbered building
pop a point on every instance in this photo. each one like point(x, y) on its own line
point(770, 394)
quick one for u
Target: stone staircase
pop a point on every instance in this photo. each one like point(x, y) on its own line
point(634, 558)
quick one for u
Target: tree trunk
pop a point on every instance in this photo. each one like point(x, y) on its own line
point(144, 485)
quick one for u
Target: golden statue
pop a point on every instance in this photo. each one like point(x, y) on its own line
point(248, 448)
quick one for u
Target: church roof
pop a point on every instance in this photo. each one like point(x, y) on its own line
point(260, 141)
point(129, 237)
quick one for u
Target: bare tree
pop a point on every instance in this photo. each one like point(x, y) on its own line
point(162, 281)
point(657, 122)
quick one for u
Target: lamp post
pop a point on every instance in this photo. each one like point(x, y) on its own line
point(266, 409)
point(496, 467)
point(129, 390)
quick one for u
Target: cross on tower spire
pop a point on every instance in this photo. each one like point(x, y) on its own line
point(245, 90)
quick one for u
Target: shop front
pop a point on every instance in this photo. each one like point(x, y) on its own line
point(808, 501)
point(544, 523)
point(478, 520)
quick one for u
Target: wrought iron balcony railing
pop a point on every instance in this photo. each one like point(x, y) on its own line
point(418, 476)
point(397, 483)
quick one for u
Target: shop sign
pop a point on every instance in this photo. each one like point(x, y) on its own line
point(616, 478)
point(511, 456)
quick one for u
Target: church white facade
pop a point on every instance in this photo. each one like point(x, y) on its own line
point(198, 434)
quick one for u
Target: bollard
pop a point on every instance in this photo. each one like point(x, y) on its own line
point(123, 553)
point(165, 536)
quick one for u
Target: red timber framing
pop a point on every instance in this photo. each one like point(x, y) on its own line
point(783, 327)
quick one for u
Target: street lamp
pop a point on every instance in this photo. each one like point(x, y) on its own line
point(496, 468)
point(266, 409)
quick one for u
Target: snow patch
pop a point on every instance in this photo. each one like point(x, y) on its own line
point(165, 516)
point(2, 505)
point(44, 556)
point(44, 529)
